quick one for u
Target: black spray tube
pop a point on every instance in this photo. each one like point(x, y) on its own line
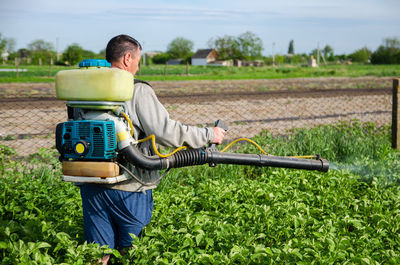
point(200, 156)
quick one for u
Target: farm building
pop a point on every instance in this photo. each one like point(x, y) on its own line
point(4, 55)
point(151, 54)
point(204, 56)
point(174, 61)
point(222, 63)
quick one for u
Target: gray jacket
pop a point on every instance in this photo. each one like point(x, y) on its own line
point(149, 116)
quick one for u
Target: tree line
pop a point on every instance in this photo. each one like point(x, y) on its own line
point(43, 52)
point(246, 46)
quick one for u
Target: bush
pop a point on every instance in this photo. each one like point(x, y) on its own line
point(161, 58)
point(388, 53)
point(362, 55)
point(73, 54)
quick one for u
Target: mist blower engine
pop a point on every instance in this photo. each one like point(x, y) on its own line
point(98, 135)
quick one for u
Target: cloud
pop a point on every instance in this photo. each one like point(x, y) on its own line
point(158, 21)
point(199, 15)
point(203, 10)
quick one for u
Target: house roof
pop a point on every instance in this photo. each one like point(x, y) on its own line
point(202, 53)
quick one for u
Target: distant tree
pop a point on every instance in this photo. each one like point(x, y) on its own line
point(180, 48)
point(342, 57)
point(250, 45)
point(3, 43)
point(73, 54)
point(387, 53)
point(328, 52)
point(86, 54)
point(314, 52)
point(267, 60)
point(226, 46)
point(279, 59)
point(14, 55)
point(102, 53)
point(361, 55)
point(23, 53)
point(10, 46)
point(41, 50)
point(161, 58)
point(291, 47)
point(246, 46)
point(293, 59)
point(40, 45)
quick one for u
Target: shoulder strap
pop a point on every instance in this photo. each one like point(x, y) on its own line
point(138, 81)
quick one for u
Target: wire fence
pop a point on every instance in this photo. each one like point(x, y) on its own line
point(28, 123)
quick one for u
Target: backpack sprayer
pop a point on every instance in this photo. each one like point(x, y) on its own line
point(97, 138)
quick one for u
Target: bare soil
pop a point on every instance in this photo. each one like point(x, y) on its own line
point(247, 106)
point(10, 90)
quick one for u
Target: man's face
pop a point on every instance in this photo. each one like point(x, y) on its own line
point(133, 63)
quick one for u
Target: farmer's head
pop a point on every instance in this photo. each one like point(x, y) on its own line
point(123, 52)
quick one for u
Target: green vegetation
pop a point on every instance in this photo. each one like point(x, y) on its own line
point(246, 46)
point(228, 214)
point(180, 48)
point(387, 53)
point(178, 72)
point(361, 55)
point(34, 73)
point(73, 54)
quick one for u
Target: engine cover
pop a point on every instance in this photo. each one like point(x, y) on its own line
point(86, 140)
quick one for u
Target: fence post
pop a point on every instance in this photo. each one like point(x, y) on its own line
point(16, 66)
point(396, 115)
point(50, 65)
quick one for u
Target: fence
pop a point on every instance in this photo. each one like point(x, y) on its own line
point(28, 123)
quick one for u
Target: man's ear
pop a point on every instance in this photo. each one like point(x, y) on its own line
point(127, 59)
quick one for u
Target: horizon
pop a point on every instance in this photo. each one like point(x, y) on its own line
point(345, 26)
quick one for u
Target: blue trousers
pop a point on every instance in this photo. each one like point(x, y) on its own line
point(109, 216)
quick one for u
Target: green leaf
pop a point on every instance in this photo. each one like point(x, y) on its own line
point(3, 245)
point(42, 245)
point(199, 238)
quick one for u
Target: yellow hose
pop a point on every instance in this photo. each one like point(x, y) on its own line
point(244, 139)
point(308, 156)
point(129, 121)
point(259, 148)
point(152, 137)
point(153, 141)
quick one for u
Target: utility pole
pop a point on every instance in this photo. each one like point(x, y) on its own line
point(144, 55)
point(273, 54)
point(318, 53)
point(57, 48)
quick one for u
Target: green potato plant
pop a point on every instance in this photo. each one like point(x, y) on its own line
point(228, 214)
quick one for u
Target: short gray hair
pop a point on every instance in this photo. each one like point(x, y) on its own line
point(119, 46)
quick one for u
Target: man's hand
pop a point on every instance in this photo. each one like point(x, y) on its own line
point(219, 135)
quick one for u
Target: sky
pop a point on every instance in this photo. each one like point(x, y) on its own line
point(346, 25)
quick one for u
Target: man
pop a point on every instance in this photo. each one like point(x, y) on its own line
point(112, 212)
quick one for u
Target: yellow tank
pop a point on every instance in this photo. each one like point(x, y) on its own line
point(94, 84)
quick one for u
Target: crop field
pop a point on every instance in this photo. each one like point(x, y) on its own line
point(227, 214)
